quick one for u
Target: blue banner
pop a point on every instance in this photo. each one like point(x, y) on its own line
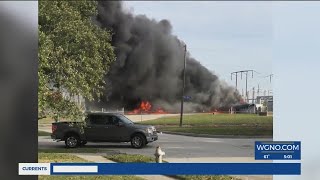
point(278, 150)
point(175, 169)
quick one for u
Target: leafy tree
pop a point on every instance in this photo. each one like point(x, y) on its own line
point(74, 56)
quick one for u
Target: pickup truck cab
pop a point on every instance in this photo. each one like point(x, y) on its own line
point(103, 127)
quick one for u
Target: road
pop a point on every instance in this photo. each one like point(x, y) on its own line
point(182, 148)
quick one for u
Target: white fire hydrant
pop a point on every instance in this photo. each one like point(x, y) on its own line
point(158, 154)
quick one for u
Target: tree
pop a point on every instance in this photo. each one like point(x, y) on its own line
point(74, 56)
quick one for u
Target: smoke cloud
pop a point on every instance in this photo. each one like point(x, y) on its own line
point(149, 66)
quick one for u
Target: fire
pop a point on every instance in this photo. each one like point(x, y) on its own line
point(146, 107)
point(160, 111)
point(135, 111)
point(221, 110)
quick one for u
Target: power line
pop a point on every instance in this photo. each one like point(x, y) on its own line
point(270, 76)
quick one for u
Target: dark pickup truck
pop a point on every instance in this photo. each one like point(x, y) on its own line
point(103, 127)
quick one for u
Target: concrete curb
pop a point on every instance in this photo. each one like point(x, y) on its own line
point(215, 136)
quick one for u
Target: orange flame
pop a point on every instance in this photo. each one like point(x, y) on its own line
point(160, 111)
point(146, 107)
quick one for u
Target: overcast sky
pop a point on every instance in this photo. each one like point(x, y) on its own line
point(224, 36)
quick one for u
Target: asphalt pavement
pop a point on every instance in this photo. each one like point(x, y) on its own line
point(180, 148)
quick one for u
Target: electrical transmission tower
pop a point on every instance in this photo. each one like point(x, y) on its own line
point(246, 73)
point(268, 92)
point(253, 95)
point(258, 90)
point(270, 76)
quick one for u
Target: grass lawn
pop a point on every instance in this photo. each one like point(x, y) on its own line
point(219, 124)
point(124, 158)
point(43, 133)
point(207, 178)
point(75, 150)
point(209, 119)
point(107, 177)
point(130, 158)
point(60, 157)
point(226, 130)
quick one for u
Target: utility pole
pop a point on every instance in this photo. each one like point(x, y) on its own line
point(241, 72)
point(183, 84)
point(253, 95)
point(270, 76)
point(236, 79)
point(247, 87)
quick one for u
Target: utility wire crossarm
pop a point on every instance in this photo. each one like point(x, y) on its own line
point(270, 76)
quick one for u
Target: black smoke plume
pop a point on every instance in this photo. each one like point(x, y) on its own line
point(150, 63)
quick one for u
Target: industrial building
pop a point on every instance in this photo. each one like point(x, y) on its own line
point(262, 105)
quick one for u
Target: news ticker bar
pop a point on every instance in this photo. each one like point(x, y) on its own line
point(278, 150)
point(159, 168)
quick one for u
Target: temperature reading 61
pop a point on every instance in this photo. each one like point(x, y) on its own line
point(287, 156)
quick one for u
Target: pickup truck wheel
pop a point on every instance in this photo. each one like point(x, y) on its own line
point(138, 141)
point(72, 141)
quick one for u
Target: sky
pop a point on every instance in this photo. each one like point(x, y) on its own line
point(224, 36)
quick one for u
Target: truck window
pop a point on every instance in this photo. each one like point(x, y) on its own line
point(124, 119)
point(112, 120)
point(98, 120)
